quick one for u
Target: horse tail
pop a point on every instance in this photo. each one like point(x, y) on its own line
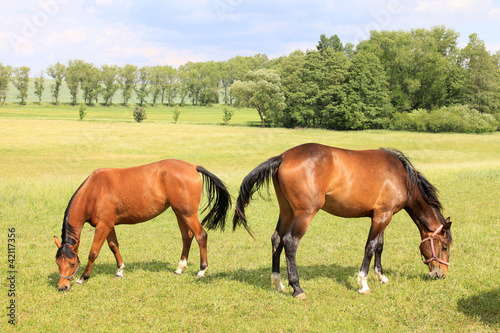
point(258, 177)
point(415, 179)
point(219, 200)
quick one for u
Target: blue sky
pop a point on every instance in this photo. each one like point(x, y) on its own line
point(38, 33)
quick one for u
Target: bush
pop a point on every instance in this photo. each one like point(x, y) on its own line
point(459, 119)
point(140, 114)
point(82, 111)
point(227, 114)
point(176, 113)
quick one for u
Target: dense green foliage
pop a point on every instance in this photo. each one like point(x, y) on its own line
point(344, 87)
point(390, 73)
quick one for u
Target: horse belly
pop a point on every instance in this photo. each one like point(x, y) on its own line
point(347, 208)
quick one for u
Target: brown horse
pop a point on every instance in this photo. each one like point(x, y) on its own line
point(346, 183)
point(110, 197)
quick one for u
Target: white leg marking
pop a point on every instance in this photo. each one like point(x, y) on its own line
point(120, 271)
point(363, 285)
point(276, 282)
point(80, 281)
point(182, 267)
point(381, 277)
point(201, 273)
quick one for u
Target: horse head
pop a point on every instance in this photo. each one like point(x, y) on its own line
point(69, 264)
point(436, 250)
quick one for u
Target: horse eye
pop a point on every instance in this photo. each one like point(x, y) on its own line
point(445, 248)
point(72, 264)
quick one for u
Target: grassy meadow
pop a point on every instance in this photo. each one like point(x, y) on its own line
point(46, 152)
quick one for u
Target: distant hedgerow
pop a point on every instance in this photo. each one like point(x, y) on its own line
point(459, 119)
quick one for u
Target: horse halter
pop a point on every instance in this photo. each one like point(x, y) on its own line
point(70, 278)
point(434, 257)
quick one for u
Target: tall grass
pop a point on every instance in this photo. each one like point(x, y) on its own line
point(43, 160)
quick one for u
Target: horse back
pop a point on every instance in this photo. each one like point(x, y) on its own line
point(346, 183)
point(137, 194)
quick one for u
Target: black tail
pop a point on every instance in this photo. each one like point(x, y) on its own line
point(216, 191)
point(252, 183)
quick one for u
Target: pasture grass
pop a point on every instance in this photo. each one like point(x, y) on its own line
point(44, 158)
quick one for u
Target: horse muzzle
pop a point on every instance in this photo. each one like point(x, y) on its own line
point(438, 271)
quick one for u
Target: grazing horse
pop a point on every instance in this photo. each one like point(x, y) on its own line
point(110, 197)
point(347, 183)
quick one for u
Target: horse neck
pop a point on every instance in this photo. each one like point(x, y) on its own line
point(74, 227)
point(424, 215)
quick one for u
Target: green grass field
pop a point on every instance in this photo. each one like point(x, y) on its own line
point(46, 152)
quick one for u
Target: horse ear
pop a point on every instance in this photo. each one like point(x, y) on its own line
point(58, 243)
point(447, 224)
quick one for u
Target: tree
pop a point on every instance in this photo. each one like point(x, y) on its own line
point(5, 74)
point(261, 90)
point(169, 83)
point(191, 80)
point(481, 89)
point(143, 80)
point(57, 73)
point(39, 86)
point(73, 76)
point(127, 78)
point(156, 76)
point(367, 93)
point(291, 70)
point(332, 42)
point(110, 84)
point(91, 82)
point(21, 81)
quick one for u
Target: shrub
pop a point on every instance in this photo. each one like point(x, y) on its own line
point(458, 118)
point(176, 113)
point(82, 111)
point(227, 114)
point(140, 114)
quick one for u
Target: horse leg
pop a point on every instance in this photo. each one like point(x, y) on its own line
point(194, 226)
point(374, 243)
point(101, 233)
point(114, 246)
point(291, 242)
point(378, 261)
point(187, 238)
point(277, 246)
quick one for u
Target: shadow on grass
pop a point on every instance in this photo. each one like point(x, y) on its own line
point(260, 277)
point(110, 269)
point(485, 306)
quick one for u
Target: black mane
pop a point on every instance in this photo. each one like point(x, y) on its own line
point(415, 179)
point(68, 235)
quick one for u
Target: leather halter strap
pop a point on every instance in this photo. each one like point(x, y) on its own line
point(72, 276)
point(434, 257)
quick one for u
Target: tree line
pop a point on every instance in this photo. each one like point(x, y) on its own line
point(391, 80)
point(196, 82)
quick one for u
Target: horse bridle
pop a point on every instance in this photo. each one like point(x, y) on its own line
point(434, 257)
point(70, 278)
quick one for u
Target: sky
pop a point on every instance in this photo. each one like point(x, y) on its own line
point(38, 33)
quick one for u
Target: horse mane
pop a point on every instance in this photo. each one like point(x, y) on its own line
point(68, 233)
point(416, 179)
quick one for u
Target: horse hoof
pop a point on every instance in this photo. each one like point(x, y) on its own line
point(364, 292)
point(300, 296)
point(178, 272)
point(80, 281)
